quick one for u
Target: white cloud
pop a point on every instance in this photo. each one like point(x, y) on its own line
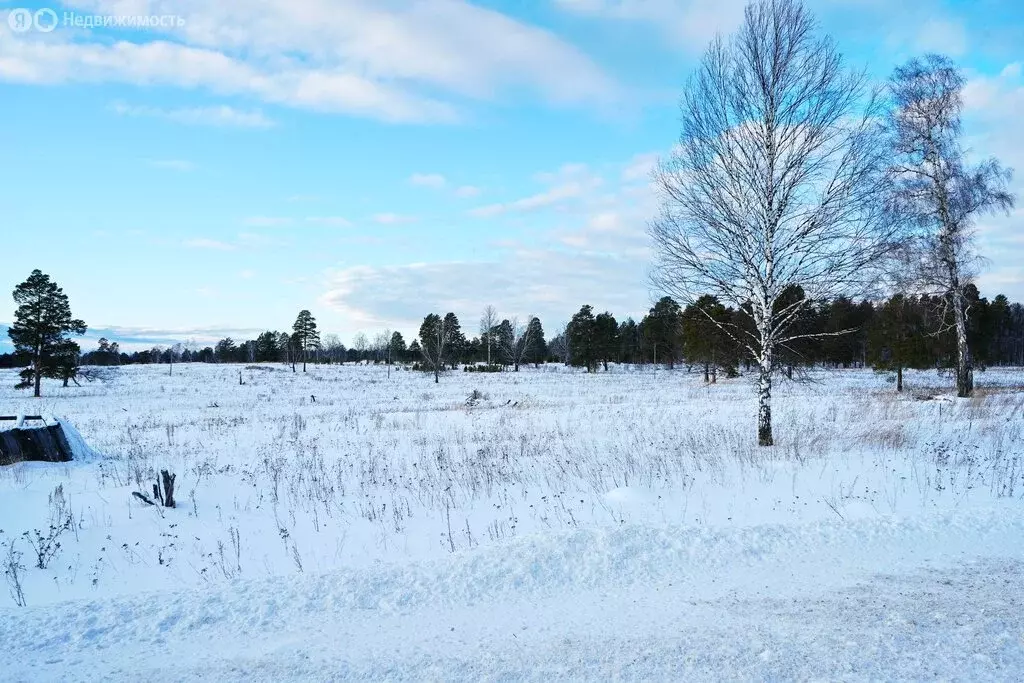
point(332, 221)
point(393, 219)
point(550, 283)
point(997, 99)
point(992, 106)
point(286, 221)
point(220, 116)
point(551, 197)
point(640, 167)
point(602, 239)
point(172, 164)
point(1011, 71)
point(432, 180)
point(255, 240)
point(268, 221)
point(570, 171)
point(204, 243)
point(689, 24)
point(942, 35)
point(139, 338)
point(573, 182)
point(172, 64)
point(467, 191)
point(358, 57)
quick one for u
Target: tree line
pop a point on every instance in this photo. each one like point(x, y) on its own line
point(892, 334)
point(903, 331)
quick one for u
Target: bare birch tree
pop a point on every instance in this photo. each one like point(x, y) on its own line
point(517, 346)
point(334, 348)
point(488, 321)
point(360, 344)
point(777, 181)
point(386, 348)
point(174, 354)
point(939, 191)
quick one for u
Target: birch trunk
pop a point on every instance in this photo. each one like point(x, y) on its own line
point(764, 398)
point(964, 371)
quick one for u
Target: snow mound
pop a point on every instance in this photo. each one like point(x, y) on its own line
point(80, 450)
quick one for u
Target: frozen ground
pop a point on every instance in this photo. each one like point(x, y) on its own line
point(558, 526)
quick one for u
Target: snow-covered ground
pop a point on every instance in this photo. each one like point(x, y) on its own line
point(542, 524)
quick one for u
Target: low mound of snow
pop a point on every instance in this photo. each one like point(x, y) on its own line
point(80, 450)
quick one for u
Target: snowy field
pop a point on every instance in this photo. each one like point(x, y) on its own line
point(546, 524)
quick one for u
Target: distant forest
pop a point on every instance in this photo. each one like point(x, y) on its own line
point(901, 332)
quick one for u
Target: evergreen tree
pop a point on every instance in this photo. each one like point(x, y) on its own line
point(225, 350)
point(106, 353)
point(475, 350)
point(606, 337)
point(704, 341)
point(266, 347)
point(580, 338)
point(41, 324)
point(435, 342)
point(63, 362)
point(397, 346)
point(662, 330)
point(895, 336)
point(803, 324)
point(558, 348)
point(629, 342)
point(503, 339)
point(306, 336)
point(456, 339)
point(536, 347)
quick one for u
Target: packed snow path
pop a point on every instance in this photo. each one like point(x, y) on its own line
point(939, 596)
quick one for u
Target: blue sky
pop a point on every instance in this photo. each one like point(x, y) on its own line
point(377, 160)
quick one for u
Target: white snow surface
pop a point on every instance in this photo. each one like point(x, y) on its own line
point(568, 526)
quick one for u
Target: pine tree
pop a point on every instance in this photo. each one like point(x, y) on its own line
point(895, 336)
point(107, 353)
point(606, 337)
point(580, 337)
point(793, 302)
point(629, 341)
point(396, 346)
point(306, 335)
point(704, 341)
point(266, 347)
point(225, 350)
point(503, 337)
point(436, 340)
point(662, 330)
point(536, 347)
point(456, 339)
point(64, 361)
point(41, 323)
